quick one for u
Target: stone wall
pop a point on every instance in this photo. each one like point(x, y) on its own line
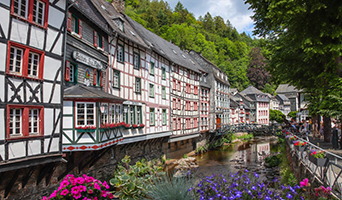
point(103, 169)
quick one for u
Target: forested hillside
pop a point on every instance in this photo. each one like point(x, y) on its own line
point(215, 38)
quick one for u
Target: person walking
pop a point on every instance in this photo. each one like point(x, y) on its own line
point(335, 137)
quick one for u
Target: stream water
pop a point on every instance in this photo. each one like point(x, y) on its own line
point(239, 156)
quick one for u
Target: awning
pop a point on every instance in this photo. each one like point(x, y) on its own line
point(81, 92)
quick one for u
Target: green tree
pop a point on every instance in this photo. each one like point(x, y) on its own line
point(256, 71)
point(292, 114)
point(276, 115)
point(305, 40)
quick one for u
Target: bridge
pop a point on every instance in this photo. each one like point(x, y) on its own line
point(255, 129)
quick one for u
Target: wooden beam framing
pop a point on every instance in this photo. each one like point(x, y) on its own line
point(27, 177)
point(11, 183)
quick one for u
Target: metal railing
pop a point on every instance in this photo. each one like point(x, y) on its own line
point(329, 175)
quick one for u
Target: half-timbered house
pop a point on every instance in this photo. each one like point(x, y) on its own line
point(138, 74)
point(31, 63)
point(219, 93)
point(91, 117)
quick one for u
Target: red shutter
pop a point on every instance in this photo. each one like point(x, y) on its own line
point(69, 22)
point(102, 39)
point(67, 71)
point(101, 82)
point(94, 77)
point(80, 25)
point(95, 38)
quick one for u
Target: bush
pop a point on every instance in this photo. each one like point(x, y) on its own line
point(272, 161)
point(85, 186)
point(132, 181)
point(244, 185)
point(246, 137)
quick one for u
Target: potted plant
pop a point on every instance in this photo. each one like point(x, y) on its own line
point(318, 157)
point(141, 125)
point(300, 145)
point(291, 139)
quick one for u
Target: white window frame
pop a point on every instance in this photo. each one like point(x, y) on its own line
point(116, 78)
point(136, 60)
point(14, 60)
point(151, 90)
point(85, 114)
point(37, 12)
point(32, 121)
point(120, 53)
point(12, 121)
point(137, 85)
point(19, 8)
point(31, 65)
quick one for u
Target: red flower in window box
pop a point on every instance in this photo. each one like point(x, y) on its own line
point(141, 125)
point(135, 126)
point(86, 127)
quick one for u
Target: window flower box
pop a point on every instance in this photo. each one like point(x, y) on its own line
point(90, 129)
point(300, 146)
point(318, 157)
point(141, 125)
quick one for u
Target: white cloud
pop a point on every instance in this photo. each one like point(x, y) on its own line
point(236, 11)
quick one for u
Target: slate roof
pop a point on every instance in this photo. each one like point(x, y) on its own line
point(208, 66)
point(286, 88)
point(90, 12)
point(233, 103)
point(110, 13)
point(84, 92)
point(164, 48)
point(251, 90)
point(282, 97)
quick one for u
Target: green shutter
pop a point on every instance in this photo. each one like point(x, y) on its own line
point(75, 73)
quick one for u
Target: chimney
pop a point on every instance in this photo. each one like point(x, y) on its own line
point(119, 5)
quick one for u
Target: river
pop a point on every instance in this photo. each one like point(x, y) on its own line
point(243, 155)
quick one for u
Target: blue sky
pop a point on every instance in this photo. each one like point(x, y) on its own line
point(235, 10)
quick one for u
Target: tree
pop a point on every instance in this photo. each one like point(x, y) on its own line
point(276, 115)
point(292, 114)
point(256, 71)
point(305, 40)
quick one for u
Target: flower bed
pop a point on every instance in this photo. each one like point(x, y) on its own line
point(84, 187)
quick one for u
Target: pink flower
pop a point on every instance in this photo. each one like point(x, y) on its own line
point(64, 192)
point(104, 193)
point(80, 180)
point(65, 182)
point(44, 198)
point(105, 185)
point(110, 195)
point(90, 191)
point(304, 183)
point(95, 198)
point(77, 196)
point(53, 195)
point(96, 186)
point(82, 188)
point(75, 190)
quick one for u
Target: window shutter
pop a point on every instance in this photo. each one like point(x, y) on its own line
point(94, 76)
point(101, 82)
point(102, 38)
point(69, 22)
point(95, 38)
point(67, 71)
point(80, 27)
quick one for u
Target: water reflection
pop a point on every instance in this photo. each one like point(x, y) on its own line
point(232, 158)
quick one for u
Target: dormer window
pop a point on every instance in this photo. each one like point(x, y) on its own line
point(119, 23)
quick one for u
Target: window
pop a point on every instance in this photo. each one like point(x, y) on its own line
point(188, 123)
point(174, 84)
point(104, 114)
point(163, 73)
point(98, 40)
point(152, 68)
point(116, 78)
point(174, 103)
point(164, 117)
point(174, 124)
point(179, 104)
point(70, 72)
point(118, 114)
point(74, 25)
point(36, 14)
point(25, 121)
point(163, 92)
point(85, 114)
point(151, 92)
point(120, 56)
point(137, 85)
point(131, 115)
point(179, 86)
point(152, 117)
point(195, 89)
point(112, 113)
point(195, 123)
point(195, 106)
point(136, 61)
point(139, 115)
point(120, 24)
point(25, 61)
point(97, 77)
point(125, 114)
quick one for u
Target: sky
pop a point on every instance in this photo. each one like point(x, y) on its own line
point(236, 11)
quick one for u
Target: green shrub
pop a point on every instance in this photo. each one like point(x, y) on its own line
point(272, 161)
point(185, 155)
point(132, 180)
point(246, 137)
